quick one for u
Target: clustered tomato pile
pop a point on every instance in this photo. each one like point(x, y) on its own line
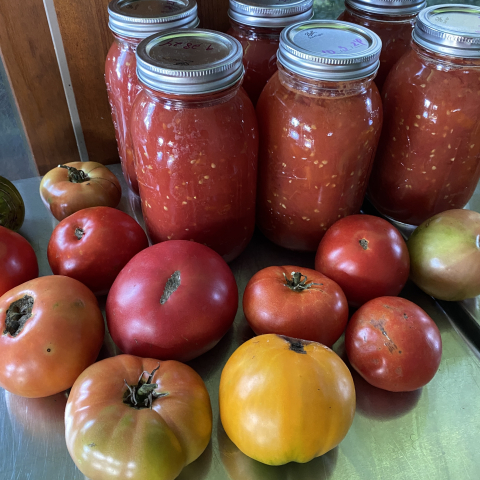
point(54, 324)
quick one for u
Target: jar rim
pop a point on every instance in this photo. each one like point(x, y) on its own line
point(388, 7)
point(141, 18)
point(330, 50)
point(449, 29)
point(190, 61)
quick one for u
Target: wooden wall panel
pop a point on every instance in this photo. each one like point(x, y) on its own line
point(213, 14)
point(86, 40)
point(28, 54)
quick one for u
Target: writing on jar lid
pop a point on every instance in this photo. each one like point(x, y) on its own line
point(151, 8)
point(462, 22)
point(330, 41)
point(192, 50)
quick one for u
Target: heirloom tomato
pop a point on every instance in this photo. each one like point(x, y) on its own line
point(18, 262)
point(93, 245)
point(296, 302)
point(52, 329)
point(69, 188)
point(285, 400)
point(137, 418)
point(393, 344)
point(445, 255)
point(12, 206)
point(366, 256)
point(174, 300)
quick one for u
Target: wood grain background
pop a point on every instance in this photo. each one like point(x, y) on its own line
point(29, 57)
point(27, 52)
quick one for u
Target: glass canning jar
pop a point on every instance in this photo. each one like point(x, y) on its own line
point(319, 119)
point(195, 138)
point(130, 22)
point(257, 24)
point(392, 21)
point(428, 158)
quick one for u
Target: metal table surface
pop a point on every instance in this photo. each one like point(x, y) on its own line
point(432, 433)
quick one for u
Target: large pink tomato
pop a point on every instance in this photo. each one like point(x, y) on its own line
point(174, 300)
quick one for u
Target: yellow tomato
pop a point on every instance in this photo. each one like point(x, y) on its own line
point(283, 399)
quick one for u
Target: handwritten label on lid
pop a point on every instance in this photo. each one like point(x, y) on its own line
point(327, 41)
point(188, 51)
point(151, 8)
point(459, 22)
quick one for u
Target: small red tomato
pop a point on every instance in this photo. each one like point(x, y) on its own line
point(366, 256)
point(174, 300)
point(93, 245)
point(18, 262)
point(69, 188)
point(393, 344)
point(295, 302)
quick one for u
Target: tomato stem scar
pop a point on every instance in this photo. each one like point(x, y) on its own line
point(79, 233)
point(17, 315)
point(75, 175)
point(171, 286)
point(364, 243)
point(143, 394)
point(296, 283)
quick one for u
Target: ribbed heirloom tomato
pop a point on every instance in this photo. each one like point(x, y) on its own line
point(285, 400)
point(296, 302)
point(69, 188)
point(135, 418)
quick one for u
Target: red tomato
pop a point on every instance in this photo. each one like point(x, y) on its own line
point(137, 418)
point(393, 344)
point(18, 262)
point(174, 300)
point(296, 302)
point(71, 187)
point(366, 256)
point(52, 330)
point(93, 245)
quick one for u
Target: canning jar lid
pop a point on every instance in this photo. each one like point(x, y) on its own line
point(329, 50)
point(453, 30)
point(189, 62)
point(388, 7)
point(141, 18)
point(270, 13)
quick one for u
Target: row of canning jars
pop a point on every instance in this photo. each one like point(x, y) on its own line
point(188, 136)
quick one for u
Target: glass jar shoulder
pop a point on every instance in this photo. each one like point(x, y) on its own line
point(323, 108)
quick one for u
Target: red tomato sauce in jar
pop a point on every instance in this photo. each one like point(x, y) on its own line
point(257, 24)
point(392, 21)
point(428, 159)
point(130, 22)
point(195, 137)
point(319, 124)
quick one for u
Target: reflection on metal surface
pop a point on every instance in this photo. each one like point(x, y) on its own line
point(428, 434)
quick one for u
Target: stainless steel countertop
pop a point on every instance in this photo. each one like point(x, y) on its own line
point(432, 433)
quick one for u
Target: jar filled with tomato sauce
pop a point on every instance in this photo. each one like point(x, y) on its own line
point(195, 138)
point(392, 21)
point(257, 24)
point(130, 22)
point(428, 158)
point(319, 118)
